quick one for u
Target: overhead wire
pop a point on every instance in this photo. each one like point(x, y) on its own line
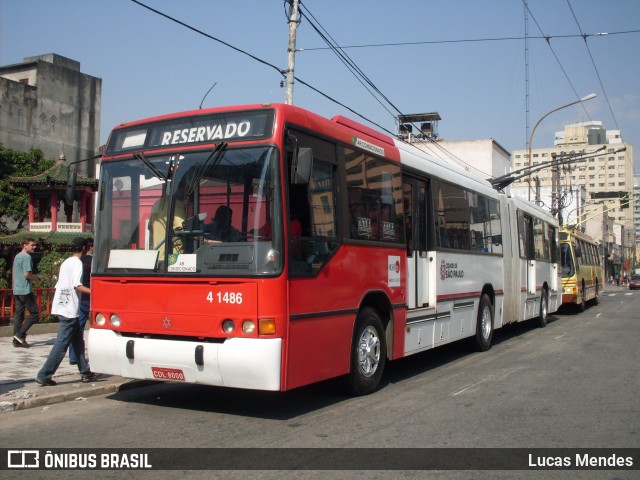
point(345, 59)
point(604, 91)
point(471, 40)
point(264, 62)
point(548, 39)
point(364, 79)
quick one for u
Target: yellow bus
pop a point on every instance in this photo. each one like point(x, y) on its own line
point(581, 269)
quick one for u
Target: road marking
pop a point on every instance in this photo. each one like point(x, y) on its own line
point(471, 386)
point(630, 293)
point(560, 336)
point(598, 315)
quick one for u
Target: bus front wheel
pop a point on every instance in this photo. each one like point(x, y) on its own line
point(582, 305)
point(368, 353)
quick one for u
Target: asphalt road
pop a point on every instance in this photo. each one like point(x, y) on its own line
point(573, 384)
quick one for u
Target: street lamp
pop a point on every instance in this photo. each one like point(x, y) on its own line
point(583, 99)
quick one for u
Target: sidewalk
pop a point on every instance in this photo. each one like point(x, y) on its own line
point(19, 367)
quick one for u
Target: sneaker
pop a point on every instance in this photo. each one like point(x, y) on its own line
point(71, 362)
point(20, 342)
point(47, 382)
point(90, 377)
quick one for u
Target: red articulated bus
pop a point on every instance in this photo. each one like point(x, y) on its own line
point(266, 247)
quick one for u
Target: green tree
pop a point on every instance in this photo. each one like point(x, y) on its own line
point(14, 202)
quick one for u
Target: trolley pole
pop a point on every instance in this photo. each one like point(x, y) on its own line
point(293, 23)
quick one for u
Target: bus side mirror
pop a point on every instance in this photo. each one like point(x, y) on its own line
point(70, 193)
point(301, 165)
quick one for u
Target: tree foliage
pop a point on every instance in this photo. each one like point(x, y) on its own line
point(14, 202)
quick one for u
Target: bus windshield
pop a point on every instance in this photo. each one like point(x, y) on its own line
point(568, 267)
point(206, 213)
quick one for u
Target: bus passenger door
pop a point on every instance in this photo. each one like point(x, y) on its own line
point(415, 199)
point(529, 254)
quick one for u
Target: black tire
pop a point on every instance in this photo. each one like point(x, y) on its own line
point(543, 318)
point(596, 300)
point(484, 325)
point(368, 353)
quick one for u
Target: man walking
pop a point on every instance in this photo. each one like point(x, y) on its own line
point(85, 298)
point(23, 296)
point(66, 304)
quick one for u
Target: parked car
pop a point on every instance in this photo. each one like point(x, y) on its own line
point(634, 282)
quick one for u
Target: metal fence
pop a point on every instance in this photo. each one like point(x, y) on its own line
point(44, 297)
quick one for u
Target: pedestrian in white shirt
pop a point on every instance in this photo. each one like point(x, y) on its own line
point(66, 305)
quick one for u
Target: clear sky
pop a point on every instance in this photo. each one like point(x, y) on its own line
point(150, 65)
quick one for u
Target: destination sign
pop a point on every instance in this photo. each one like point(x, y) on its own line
point(193, 130)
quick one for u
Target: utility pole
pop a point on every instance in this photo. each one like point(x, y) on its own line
point(293, 24)
point(605, 243)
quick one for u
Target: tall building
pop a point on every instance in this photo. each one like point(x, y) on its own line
point(596, 160)
point(636, 216)
point(47, 103)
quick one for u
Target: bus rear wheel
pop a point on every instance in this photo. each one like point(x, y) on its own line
point(484, 326)
point(544, 310)
point(368, 353)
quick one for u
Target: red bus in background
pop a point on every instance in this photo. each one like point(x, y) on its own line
point(266, 247)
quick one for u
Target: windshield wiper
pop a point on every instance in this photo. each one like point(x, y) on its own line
point(213, 159)
point(151, 166)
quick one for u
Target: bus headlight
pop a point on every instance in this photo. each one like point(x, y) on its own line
point(228, 326)
point(115, 320)
point(100, 319)
point(248, 327)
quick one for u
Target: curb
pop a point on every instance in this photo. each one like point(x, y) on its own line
point(68, 389)
point(7, 331)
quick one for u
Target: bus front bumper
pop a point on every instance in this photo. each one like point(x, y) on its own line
point(250, 363)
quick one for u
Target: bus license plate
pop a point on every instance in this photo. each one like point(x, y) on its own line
point(167, 373)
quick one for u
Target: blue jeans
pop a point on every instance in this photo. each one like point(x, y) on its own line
point(24, 302)
point(84, 316)
point(68, 333)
